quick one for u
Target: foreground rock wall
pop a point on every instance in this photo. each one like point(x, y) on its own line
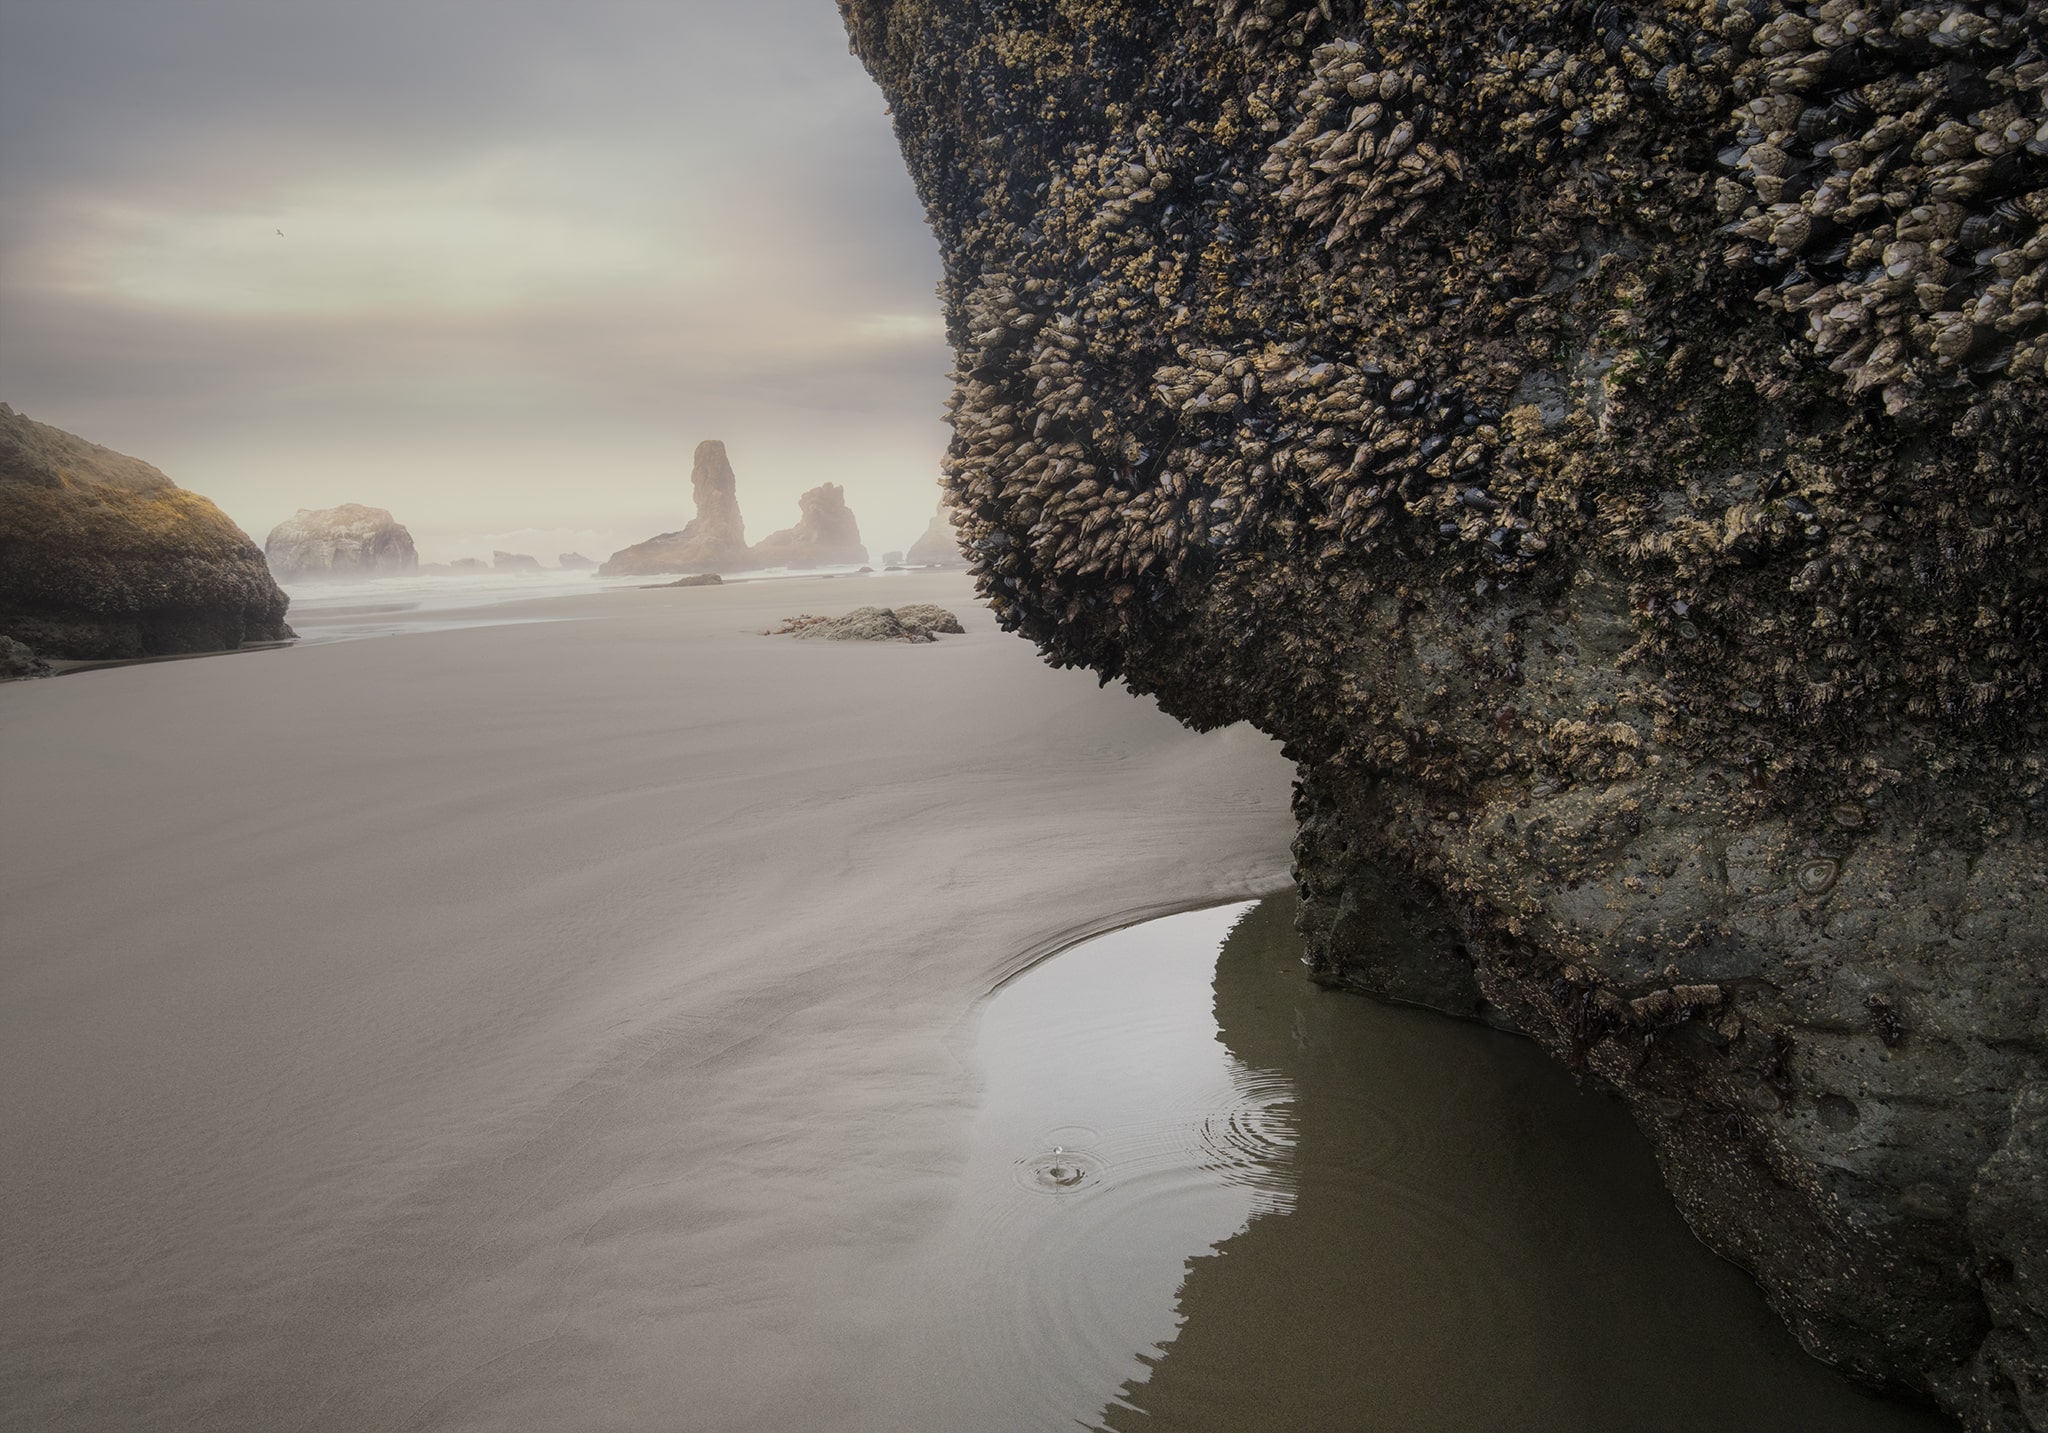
point(1603, 441)
point(102, 556)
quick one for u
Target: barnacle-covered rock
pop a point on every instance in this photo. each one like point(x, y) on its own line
point(1603, 442)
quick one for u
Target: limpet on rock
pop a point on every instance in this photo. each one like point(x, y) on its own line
point(1817, 875)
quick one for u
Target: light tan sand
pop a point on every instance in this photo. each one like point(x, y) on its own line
point(561, 1025)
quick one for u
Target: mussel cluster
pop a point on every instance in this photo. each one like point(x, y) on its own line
point(1254, 24)
point(1889, 170)
point(1362, 151)
point(1415, 298)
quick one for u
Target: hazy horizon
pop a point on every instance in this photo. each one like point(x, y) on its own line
point(529, 259)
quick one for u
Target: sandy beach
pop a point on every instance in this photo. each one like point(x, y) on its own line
point(562, 1023)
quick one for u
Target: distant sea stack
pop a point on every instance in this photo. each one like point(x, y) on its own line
point(348, 541)
point(102, 556)
point(514, 562)
point(825, 534)
point(938, 547)
point(574, 562)
point(715, 539)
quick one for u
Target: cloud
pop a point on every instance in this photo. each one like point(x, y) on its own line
point(512, 233)
point(501, 232)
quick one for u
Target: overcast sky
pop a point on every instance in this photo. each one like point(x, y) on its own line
point(532, 252)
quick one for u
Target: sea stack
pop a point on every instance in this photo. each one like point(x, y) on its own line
point(515, 562)
point(575, 562)
point(340, 542)
point(102, 556)
point(714, 540)
point(938, 547)
point(1604, 443)
point(825, 534)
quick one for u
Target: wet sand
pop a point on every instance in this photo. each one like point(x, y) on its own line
point(552, 1024)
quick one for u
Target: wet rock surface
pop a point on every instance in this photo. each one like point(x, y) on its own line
point(1603, 442)
point(825, 535)
point(350, 541)
point(715, 538)
point(102, 556)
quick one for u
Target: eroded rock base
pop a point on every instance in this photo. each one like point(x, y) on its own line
point(1841, 1129)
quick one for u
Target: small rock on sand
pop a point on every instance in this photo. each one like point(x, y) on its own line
point(919, 622)
point(701, 579)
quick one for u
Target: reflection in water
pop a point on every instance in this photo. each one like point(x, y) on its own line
point(1475, 1243)
point(1116, 1136)
point(1266, 1206)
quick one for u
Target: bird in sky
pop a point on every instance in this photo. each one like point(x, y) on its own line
point(280, 233)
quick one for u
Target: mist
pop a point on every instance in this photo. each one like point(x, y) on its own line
point(497, 268)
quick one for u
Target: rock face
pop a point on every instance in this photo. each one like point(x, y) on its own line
point(102, 556)
point(575, 562)
point(346, 541)
point(1603, 442)
point(825, 535)
point(714, 540)
point(514, 562)
point(938, 547)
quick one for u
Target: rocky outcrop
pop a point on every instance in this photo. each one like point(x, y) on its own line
point(102, 556)
point(1602, 441)
point(918, 622)
point(825, 535)
point(937, 547)
point(700, 579)
point(514, 562)
point(575, 562)
point(714, 540)
point(18, 662)
point(350, 541)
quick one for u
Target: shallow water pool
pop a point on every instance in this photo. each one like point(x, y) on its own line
point(1204, 1194)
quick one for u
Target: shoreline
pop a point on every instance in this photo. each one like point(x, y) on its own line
point(383, 1009)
